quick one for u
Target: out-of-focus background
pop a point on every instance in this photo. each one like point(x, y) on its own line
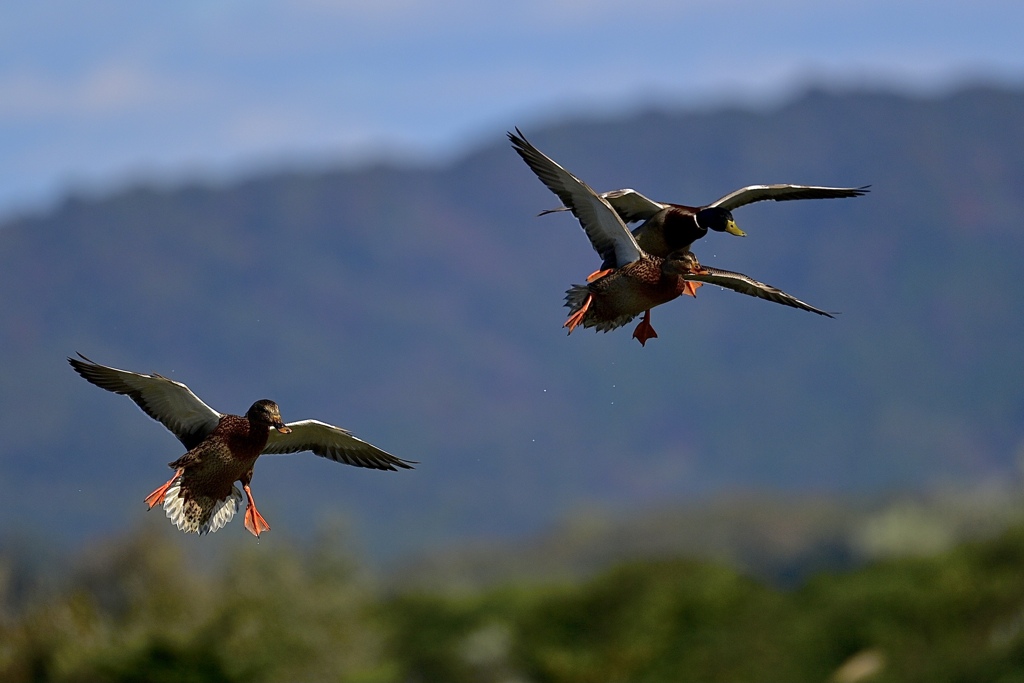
point(315, 202)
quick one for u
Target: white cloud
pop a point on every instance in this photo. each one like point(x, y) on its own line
point(106, 90)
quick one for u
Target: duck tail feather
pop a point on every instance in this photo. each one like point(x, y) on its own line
point(200, 514)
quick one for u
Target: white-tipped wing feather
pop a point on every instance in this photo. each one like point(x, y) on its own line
point(784, 193)
point(333, 443)
point(628, 203)
point(606, 231)
point(631, 205)
point(171, 403)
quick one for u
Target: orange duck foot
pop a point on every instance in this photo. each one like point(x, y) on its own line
point(597, 274)
point(157, 497)
point(644, 331)
point(254, 521)
point(690, 287)
point(577, 317)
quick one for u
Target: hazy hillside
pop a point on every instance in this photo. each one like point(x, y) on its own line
point(421, 308)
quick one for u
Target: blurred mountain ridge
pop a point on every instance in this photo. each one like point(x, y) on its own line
point(421, 308)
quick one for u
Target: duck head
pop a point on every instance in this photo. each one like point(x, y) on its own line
point(682, 262)
point(718, 219)
point(267, 413)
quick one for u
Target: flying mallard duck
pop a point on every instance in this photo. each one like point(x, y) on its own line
point(633, 280)
point(202, 497)
point(670, 227)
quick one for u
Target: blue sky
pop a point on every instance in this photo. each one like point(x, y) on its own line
point(95, 95)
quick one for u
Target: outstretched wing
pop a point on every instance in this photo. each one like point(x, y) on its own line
point(606, 231)
point(333, 443)
point(738, 282)
point(784, 193)
point(631, 205)
point(171, 403)
point(628, 203)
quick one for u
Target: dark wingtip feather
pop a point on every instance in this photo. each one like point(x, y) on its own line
point(76, 363)
point(405, 464)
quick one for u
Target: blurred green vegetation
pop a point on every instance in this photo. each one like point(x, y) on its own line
point(141, 608)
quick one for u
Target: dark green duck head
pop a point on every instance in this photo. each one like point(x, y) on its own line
point(679, 227)
point(266, 412)
point(718, 219)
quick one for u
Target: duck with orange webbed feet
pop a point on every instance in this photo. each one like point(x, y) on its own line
point(631, 281)
point(202, 497)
